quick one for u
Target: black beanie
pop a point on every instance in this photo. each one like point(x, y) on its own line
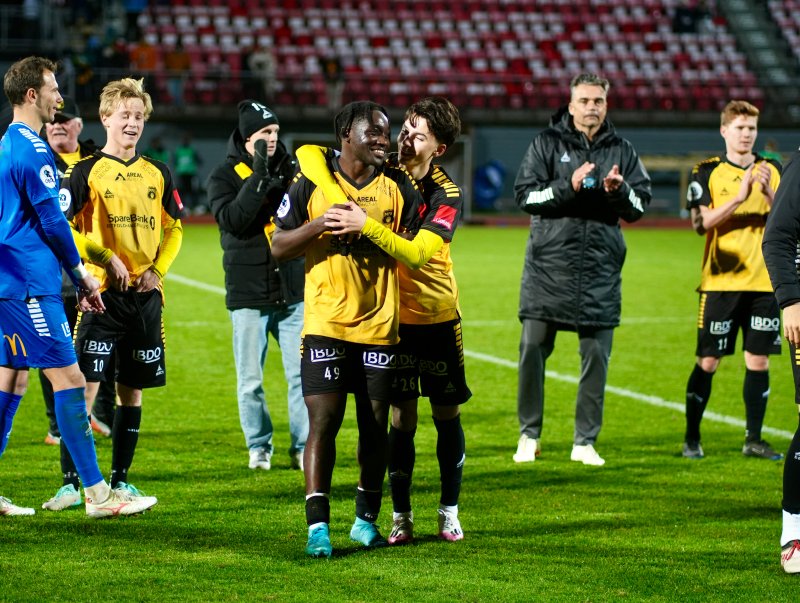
point(253, 116)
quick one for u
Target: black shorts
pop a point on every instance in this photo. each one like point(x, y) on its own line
point(330, 365)
point(132, 328)
point(723, 313)
point(431, 362)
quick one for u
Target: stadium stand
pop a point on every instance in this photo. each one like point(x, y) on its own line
point(785, 12)
point(493, 54)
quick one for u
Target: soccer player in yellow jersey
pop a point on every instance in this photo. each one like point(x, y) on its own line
point(126, 214)
point(351, 313)
point(730, 198)
point(62, 136)
point(430, 352)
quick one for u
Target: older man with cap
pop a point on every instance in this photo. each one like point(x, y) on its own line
point(63, 133)
point(262, 296)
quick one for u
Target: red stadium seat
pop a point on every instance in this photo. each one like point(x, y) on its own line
point(521, 46)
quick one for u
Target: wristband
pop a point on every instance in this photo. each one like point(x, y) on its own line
point(80, 272)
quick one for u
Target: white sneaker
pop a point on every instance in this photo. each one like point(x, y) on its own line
point(402, 528)
point(586, 455)
point(297, 460)
point(9, 508)
point(260, 459)
point(790, 557)
point(527, 449)
point(66, 497)
point(119, 502)
point(449, 526)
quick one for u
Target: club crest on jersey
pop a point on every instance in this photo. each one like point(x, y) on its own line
point(388, 216)
point(283, 208)
point(47, 176)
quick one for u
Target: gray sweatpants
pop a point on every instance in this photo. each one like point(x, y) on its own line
point(536, 345)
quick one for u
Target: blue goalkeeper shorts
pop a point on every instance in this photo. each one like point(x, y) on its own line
point(35, 333)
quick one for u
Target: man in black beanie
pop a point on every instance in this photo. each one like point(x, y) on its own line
point(262, 296)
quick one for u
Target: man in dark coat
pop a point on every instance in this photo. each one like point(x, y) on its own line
point(780, 246)
point(577, 180)
point(262, 295)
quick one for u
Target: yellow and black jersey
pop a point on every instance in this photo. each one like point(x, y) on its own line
point(429, 294)
point(732, 260)
point(128, 207)
point(351, 289)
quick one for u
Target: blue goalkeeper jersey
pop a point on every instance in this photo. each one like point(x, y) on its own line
point(35, 237)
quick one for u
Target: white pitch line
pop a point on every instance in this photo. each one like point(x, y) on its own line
point(649, 320)
point(620, 391)
point(633, 320)
point(627, 393)
point(196, 284)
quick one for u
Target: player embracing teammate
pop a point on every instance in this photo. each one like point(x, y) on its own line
point(430, 323)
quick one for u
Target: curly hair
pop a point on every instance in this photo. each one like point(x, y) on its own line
point(353, 112)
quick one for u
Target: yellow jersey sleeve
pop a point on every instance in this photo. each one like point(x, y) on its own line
point(92, 251)
point(315, 167)
point(170, 245)
point(414, 253)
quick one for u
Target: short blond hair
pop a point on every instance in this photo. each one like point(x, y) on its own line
point(119, 91)
point(734, 109)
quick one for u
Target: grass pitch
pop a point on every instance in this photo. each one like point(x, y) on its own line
point(649, 526)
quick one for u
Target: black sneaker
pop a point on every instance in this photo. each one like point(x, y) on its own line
point(761, 449)
point(692, 450)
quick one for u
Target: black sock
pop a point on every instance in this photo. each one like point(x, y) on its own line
point(791, 476)
point(68, 469)
point(698, 391)
point(125, 435)
point(755, 392)
point(368, 505)
point(402, 456)
point(451, 451)
point(318, 509)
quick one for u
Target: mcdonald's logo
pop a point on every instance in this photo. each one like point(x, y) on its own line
point(12, 343)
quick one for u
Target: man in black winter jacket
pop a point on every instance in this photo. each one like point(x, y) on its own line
point(780, 246)
point(262, 295)
point(577, 180)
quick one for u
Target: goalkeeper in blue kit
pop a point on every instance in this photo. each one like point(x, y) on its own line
point(35, 242)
